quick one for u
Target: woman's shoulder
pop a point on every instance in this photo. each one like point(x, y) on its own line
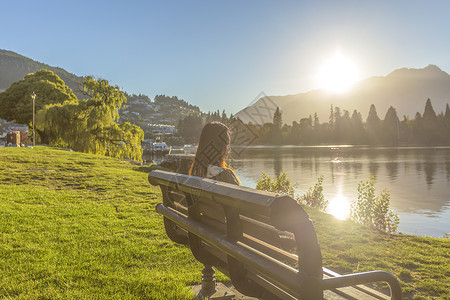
point(213, 171)
point(222, 174)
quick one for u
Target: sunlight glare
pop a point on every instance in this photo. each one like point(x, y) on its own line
point(339, 207)
point(338, 74)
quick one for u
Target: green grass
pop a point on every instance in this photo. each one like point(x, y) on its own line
point(422, 264)
point(77, 226)
point(80, 226)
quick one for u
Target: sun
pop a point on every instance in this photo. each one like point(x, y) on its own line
point(338, 74)
point(339, 207)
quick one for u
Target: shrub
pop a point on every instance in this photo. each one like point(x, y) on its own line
point(314, 196)
point(281, 184)
point(372, 210)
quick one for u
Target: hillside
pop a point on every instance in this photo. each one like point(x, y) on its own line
point(13, 67)
point(140, 110)
point(405, 89)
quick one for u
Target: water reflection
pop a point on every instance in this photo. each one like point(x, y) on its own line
point(391, 157)
point(430, 170)
point(277, 165)
point(447, 167)
point(418, 179)
point(357, 168)
point(373, 169)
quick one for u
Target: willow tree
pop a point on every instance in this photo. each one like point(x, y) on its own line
point(91, 125)
point(16, 104)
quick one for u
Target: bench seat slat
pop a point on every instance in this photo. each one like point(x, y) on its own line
point(268, 233)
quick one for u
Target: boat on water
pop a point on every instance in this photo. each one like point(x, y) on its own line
point(160, 148)
point(190, 149)
point(156, 147)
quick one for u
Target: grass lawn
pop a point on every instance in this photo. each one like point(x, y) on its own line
point(81, 226)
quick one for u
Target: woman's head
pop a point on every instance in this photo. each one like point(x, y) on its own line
point(212, 148)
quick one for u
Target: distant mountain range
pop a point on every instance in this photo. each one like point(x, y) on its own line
point(405, 89)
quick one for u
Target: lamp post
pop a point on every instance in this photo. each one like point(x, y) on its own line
point(33, 96)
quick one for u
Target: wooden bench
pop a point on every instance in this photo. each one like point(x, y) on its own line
point(265, 243)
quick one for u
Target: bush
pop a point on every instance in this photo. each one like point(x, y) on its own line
point(314, 196)
point(281, 184)
point(374, 211)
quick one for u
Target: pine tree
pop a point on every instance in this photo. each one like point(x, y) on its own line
point(316, 123)
point(447, 117)
point(331, 118)
point(447, 123)
point(429, 115)
point(391, 127)
point(224, 116)
point(277, 118)
point(358, 134)
point(431, 131)
point(373, 125)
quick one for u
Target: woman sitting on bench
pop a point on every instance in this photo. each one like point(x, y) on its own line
point(212, 151)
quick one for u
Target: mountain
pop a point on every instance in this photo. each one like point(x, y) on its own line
point(13, 67)
point(405, 89)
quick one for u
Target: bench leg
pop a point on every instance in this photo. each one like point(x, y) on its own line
point(208, 280)
point(209, 289)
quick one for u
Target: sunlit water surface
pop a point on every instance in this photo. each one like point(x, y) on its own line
point(418, 179)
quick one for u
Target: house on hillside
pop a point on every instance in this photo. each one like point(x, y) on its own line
point(13, 139)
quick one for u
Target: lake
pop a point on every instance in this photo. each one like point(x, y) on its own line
point(417, 178)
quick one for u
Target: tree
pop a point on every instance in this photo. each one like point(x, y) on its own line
point(447, 117)
point(16, 103)
point(224, 117)
point(345, 128)
point(331, 118)
point(90, 125)
point(358, 132)
point(316, 122)
point(447, 123)
point(277, 118)
point(294, 138)
point(306, 130)
point(191, 128)
point(417, 128)
point(373, 125)
point(429, 115)
point(431, 133)
point(391, 127)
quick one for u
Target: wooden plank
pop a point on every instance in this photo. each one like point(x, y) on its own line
point(268, 249)
point(268, 233)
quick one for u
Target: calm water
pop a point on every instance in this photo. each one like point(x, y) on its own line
point(418, 179)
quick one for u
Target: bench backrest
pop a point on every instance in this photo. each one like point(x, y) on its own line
point(264, 242)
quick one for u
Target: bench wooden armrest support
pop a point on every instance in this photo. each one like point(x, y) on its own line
point(264, 242)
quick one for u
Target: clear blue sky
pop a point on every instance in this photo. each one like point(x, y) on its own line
point(222, 54)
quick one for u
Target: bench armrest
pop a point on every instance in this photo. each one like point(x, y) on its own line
point(363, 278)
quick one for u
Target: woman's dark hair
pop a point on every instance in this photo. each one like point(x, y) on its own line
point(212, 149)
